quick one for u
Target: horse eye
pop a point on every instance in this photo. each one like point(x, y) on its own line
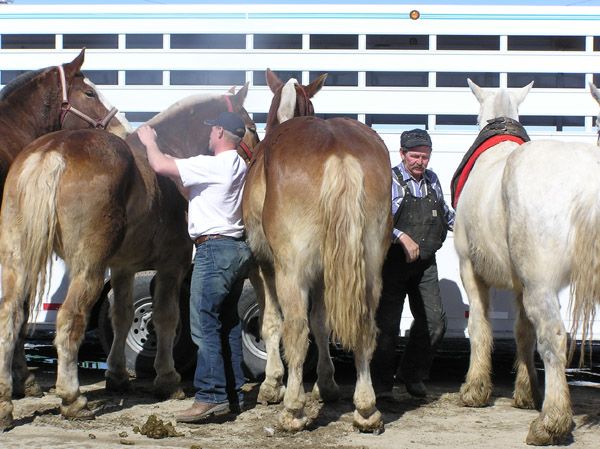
point(90, 93)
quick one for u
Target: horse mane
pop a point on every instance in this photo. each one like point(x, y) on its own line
point(19, 81)
point(181, 105)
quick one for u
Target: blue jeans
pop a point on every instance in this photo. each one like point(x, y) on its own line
point(220, 266)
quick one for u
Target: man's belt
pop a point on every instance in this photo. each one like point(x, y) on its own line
point(203, 238)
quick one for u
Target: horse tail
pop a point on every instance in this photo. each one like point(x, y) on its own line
point(37, 187)
point(585, 277)
point(342, 202)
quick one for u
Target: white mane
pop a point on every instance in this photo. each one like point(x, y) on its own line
point(187, 102)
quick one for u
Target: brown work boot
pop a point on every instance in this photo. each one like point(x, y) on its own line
point(202, 410)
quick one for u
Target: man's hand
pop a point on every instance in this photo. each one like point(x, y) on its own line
point(410, 247)
point(147, 135)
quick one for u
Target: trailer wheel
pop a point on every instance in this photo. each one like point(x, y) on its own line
point(253, 347)
point(140, 344)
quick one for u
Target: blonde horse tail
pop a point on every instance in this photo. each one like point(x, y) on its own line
point(341, 201)
point(585, 273)
point(37, 187)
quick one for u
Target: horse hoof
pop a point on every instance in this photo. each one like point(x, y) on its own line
point(475, 395)
point(115, 384)
point(77, 410)
point(32, 389)
point(6, 420)
point(164, 392)
point(292, 421)
point(330, 393)
point(524, 403)
point(373, 423)
point(269, 394)
point(545, 435)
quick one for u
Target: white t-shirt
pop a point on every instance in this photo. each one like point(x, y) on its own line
point(216, 185)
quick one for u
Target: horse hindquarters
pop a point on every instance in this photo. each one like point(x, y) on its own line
point(76, 206)
point(535, 236)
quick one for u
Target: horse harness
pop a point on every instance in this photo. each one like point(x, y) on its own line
point(422, 218)
point(497, 130)
point(66, 107)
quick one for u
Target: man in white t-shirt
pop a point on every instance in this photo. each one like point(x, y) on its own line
point(215, 185)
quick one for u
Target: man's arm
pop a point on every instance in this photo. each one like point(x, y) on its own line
point(161, 163)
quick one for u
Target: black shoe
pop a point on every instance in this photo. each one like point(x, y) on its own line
point(416, 389)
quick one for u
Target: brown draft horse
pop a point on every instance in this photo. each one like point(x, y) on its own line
point(93, 199)
point(36, 103)
point(317, 213)
point(50, 99)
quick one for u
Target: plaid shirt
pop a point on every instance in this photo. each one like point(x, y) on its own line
point(419, 190)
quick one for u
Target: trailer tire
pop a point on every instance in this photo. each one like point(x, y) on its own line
point(140, 344)
point(253, 347)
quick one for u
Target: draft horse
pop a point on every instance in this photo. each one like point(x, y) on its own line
point(36, 103)
point(317, 213)
point(93, 199)
point(522, 226)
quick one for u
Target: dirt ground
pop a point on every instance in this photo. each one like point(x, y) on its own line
point(438, 421)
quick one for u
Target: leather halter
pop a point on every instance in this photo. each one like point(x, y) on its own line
point(242, 144)
point(66, 107)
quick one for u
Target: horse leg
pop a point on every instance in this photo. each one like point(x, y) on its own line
point(477, 389)
point(24, 383)
point(325, 389)
point(71, 323)
point(526, 394)
point(165, 316)
point(555, 421)
point(121, 316)
point(12, 319)
point(366, 416)
point(293, 299)
point(272, 388)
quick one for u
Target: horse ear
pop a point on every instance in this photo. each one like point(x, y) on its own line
point(522, 93)
point(240, 97)
point(75, 65)
point(595, 92)
point(477, 91)
point(231, 90)
point(315, 86)
point(273, 81)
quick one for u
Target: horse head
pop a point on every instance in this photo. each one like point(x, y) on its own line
point(181, 131)
point(82, 105)
point(596, 94)
point(59, 97)
point(498, 103)
point(290, 99)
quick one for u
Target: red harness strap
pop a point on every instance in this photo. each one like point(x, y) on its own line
point(464, 174)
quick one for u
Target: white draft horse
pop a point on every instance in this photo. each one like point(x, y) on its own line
point(94, 199)
point(317, 214)
point(524, 222)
